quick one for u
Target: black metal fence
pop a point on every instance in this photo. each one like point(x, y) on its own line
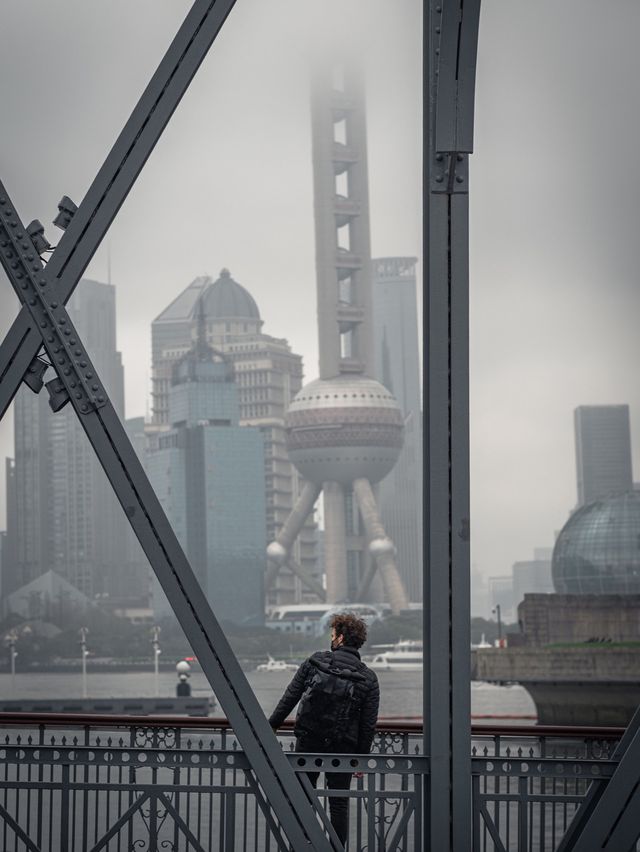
point(527, 783)
point(110, 784)
point(121, 784)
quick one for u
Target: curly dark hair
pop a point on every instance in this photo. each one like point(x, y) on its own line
point(350, 627)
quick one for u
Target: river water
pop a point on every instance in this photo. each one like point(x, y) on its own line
point(400, 692)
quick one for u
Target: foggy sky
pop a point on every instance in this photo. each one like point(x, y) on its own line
point(554, 207)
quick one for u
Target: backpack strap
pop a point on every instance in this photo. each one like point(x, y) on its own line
point(340, 671)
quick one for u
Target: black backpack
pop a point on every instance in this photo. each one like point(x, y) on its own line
point(329, 702)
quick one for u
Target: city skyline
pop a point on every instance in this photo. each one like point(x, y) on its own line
point(64, 516)
point(209, 475)
point(267, 373)
point(535, 267)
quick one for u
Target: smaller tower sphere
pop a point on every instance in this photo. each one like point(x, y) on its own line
point(344, 428)
point(380, 546)
point(277, 553)
point(183, 667)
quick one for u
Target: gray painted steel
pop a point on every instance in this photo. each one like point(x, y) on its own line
point(115, 179)
point(43, 294)
point(608, 818)
point(151, 784)
point(451, 32)
point(98, 779)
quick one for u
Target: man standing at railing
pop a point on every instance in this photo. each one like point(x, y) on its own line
point(339, 698)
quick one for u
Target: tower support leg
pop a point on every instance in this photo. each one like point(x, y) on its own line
point(335, 543)
point(279, 551)
point(380, 545)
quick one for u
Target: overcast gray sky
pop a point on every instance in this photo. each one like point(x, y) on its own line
point(554, 210)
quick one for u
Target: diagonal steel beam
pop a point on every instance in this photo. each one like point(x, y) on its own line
point(20, 833)
point(89, 398)
point(43, 321)
point(609, 807)
point(115, 179)
point(613, 824)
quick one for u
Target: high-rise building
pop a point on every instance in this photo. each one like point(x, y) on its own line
point(344, 430)
point(397, 355)
point(267, 374)
point(603, 451)
point(480, 606)
point(10, 577)
point(501, 595)
point(136, 573)
point(63, 515)
point(208, 473)
point(533, 576)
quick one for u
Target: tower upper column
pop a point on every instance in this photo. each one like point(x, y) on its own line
point(341, 208)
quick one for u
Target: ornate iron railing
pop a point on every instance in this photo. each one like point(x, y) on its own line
point(527, 783)
point(80, 783)
point(123, 783)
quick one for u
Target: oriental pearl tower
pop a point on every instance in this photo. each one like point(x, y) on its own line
point(344, 431)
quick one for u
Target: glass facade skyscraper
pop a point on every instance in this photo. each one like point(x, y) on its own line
point(603, 451)
point(267, 375)
point(208, 473)
point(398, 368)
point(63, 514)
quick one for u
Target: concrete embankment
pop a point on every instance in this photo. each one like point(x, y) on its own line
point(572, 685)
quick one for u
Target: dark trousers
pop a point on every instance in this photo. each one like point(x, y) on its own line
point(338, 805)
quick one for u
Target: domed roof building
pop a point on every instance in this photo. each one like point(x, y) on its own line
point(598, 549)
point(223, 315)
point(226, 299)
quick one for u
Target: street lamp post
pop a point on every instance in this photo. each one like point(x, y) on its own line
point(155, 641)
point(496, 609)
point(183, 688)
point(84, 653)
point(11, 639)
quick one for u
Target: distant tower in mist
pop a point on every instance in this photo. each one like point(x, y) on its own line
point(344, 430)
point(397, 354)
point(603, 451)
point(63, 515)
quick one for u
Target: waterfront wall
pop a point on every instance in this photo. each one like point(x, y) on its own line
point(554, 664)
point(549, 619)
point(570, 686)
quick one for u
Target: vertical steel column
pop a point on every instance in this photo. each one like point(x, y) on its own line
point(450, 39)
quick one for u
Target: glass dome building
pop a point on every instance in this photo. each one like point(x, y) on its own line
point(598, 549)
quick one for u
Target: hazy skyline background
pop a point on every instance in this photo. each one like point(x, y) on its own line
point(555, 200)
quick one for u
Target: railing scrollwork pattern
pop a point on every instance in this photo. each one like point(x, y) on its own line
point(123, 784)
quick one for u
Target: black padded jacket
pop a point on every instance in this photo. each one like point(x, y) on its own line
point(358, 734)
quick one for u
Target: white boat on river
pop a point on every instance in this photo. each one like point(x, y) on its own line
point(405, 655)
point(276, 666)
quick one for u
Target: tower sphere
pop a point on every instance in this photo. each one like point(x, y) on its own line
point(344, 428)
point(277, 553)
point(380, 546)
